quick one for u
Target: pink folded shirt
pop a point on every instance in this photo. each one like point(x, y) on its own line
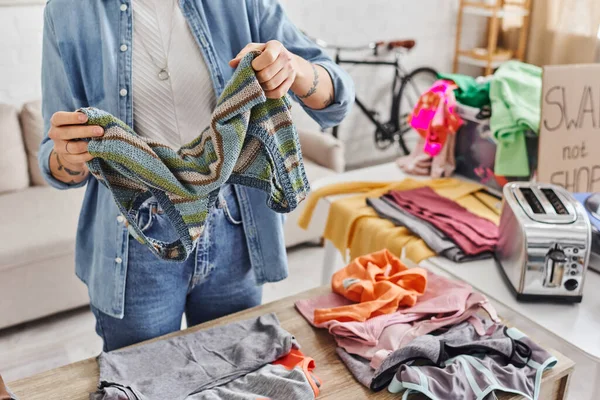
point(396, 336)
point(473, 234)
point(445, 302)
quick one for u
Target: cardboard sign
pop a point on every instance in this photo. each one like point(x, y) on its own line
point(569, 138)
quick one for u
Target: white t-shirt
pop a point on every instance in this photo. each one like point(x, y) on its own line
point(174, 111)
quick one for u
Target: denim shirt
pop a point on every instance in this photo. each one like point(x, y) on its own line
point(87, 62)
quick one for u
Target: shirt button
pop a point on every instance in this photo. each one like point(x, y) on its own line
point(123, 7)
point(123, 92)
point(118, 260)
point(123, 47)
point(120, 219)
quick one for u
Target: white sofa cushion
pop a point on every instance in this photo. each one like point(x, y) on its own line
point(32, 125)
point(322, 149)
point(41, 289)
point(13, 161)
point(38, 223)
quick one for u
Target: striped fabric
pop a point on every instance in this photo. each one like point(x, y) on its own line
point(251, 141)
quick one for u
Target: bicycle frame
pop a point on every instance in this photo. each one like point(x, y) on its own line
point(397, 80)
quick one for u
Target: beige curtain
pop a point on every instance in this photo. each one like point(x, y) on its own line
point(561, 32)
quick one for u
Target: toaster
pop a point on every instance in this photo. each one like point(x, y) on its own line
point(544, 242)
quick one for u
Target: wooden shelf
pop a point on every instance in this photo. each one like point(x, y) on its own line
point(505, 3)
point(492, 57)
point(481, 54)
point(485, 11)
point(465, 59)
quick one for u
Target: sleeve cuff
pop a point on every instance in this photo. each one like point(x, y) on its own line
point(343, 88)
point(44, 163)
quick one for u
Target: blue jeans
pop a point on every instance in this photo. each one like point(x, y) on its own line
point(218, 281)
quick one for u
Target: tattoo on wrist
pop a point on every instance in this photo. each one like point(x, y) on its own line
point(315, 83)
point(69, 171)
point(329, 100)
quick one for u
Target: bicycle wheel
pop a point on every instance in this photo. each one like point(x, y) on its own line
point(413, 86)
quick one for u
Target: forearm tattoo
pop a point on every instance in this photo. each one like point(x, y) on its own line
point(315, 83)
point(69, 171)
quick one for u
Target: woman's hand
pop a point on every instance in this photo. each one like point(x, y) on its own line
point(279, 70)
point(275, 67)
point(68, 158)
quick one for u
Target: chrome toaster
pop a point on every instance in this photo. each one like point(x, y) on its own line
point(544, 242)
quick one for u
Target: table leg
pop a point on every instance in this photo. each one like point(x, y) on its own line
point(329, 259)
point(596, 392)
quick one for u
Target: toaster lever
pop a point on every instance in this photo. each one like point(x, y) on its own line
point(556, 261)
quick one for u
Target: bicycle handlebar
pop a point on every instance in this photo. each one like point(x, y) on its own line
point(369, 46)
point(373, 46)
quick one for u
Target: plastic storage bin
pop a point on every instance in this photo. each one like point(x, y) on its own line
point(476, 149)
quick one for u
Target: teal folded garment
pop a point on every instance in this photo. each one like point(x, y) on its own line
point(515, 93)
point(251, 141)
point(469, 91)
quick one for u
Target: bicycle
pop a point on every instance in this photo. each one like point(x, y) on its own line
point(403, 98)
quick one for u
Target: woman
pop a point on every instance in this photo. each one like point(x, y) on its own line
point(159, 65)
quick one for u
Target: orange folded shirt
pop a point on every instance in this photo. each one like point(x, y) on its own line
point(379, 283)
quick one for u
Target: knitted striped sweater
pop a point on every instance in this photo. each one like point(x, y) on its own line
point(251, 141)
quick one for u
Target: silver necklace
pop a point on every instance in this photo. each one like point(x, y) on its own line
point(163, 73)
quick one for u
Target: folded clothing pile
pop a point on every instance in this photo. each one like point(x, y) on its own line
point(250, 141)
point(473, 236)
point(377, 284)
point(5, 394)
point(434, 347)
point(242, 361)
point(512, 96)
point(353, 224)
point(437, 240)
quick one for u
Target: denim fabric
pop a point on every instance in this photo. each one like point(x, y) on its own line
point(216, 282)
point(82, 66)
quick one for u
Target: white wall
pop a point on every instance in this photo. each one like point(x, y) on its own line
point(20, 51)
point(431, 22)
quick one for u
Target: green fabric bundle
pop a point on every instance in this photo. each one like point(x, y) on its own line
point(469, 92)
point(251, 141)
point(515, 92)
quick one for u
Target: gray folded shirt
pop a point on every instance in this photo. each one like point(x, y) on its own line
point(433, 237)
point(269, 382)
point(179, 367)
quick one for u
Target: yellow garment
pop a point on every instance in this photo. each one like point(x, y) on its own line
point(352, 224)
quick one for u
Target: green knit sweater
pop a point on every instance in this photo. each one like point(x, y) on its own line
point(251, 141)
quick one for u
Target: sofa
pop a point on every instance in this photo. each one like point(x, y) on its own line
point(37, 226)
point(38, 222)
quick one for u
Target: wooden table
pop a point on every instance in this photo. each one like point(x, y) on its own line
point(574, 326)
point(76, 381)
